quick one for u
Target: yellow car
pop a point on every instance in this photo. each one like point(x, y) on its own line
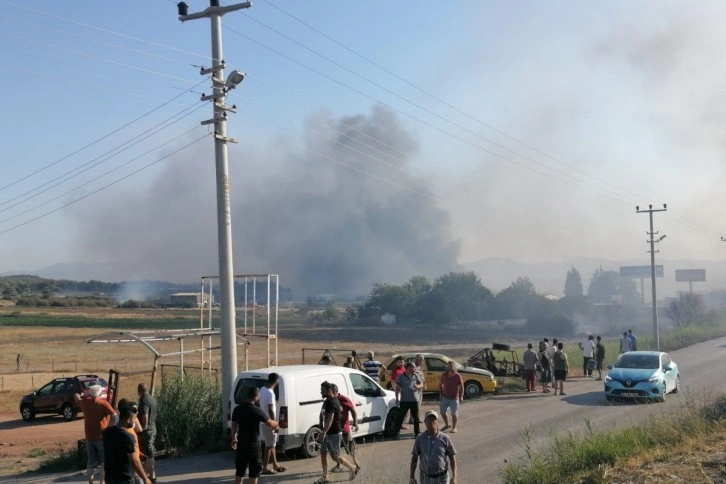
point(476, 380)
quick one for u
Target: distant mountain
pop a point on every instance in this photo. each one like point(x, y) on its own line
point(549, 277)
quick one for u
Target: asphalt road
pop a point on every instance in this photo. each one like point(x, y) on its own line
point(490, 432)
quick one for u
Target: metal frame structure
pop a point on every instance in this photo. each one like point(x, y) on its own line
point(145, 338)
point(270, 321)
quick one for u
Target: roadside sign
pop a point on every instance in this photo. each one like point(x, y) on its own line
point(639, 272)
point(690, 275)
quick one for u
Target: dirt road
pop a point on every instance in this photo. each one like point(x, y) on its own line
point(491, 430)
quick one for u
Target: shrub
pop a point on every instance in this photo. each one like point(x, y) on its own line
point(189, 413)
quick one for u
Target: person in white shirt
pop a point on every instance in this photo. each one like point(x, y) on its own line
point(268, 405)
point(588, 352)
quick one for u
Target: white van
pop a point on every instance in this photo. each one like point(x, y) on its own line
point(299, 402)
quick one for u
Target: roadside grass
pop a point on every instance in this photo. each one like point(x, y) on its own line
point(587, 458)
point(53, 321)
point(60, 460)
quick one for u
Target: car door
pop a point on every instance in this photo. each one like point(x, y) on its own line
point(61, 389)
point(434, 368)
point(43, 400)
point(670, 376)
point(370, 406)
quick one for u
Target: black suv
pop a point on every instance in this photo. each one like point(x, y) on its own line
point(57, 396)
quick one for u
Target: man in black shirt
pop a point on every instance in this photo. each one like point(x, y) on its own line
point(246, 419)
point(331, 434)
point(120, 458)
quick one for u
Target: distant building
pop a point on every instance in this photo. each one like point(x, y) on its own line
point(389, 319)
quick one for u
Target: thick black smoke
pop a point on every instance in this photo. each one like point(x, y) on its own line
point(323, 226)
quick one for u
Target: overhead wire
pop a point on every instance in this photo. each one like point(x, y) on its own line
point(634, 196)
point(149, 165)
point(146, 134)
point(98, 140)
point(98, 177)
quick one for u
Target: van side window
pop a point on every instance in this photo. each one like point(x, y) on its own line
point(240, 392)
point(364, 386)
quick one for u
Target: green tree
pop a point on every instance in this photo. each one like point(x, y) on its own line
point(519, 300)
point(573, 284)
point(461, 293)
point(607, 287)
point(48, 290)
point(688, 309)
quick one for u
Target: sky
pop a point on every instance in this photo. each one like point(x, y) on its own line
point(377, 140)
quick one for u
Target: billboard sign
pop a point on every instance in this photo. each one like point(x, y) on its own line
point(690, 275)
point(639, 272)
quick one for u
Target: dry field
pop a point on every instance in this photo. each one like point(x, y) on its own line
point(54, 352)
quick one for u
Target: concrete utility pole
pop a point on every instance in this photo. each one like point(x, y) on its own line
point(652, 241)
point(220, 87)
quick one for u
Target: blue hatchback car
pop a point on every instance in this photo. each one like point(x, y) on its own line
point(642, 375)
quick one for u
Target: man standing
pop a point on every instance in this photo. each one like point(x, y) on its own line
point(529, 367)
point(330, 437)
point(17, 362)
point(348, 362)
point(372, 367)
point(588, 350)
point(452, 392)
point(120, 458)
point(599, 356)
point(347, 411)
point(408, 387)
point(246, 420)
point(633, 340)
point(419, 370)
point(625, 343)
point(268, 404)
point(561, 367)
point(551, 353)
point(147, 436)
point(96, 415)
point(436, 452)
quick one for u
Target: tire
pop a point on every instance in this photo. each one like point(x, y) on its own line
point(678, 384)
point(472, 389)
point(609, 399)
point(311, 446)
point(68, 412)
point(662, 397)
point(393, 423)
point(27, 412)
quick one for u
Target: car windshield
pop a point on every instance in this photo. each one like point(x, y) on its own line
point(98, 381)
point(647, 362)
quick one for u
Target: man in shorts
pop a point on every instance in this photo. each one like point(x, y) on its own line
point(96, 414)
point(452, 392)
point(246, 420)
point(599, 357)
point(347, 411)
point(121, 460)
point(330, 436)
point(268, 404)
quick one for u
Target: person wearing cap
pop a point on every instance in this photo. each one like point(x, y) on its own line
point(147, 436)
point(372, 367)
point(434, 454)
point(96, 415)
point(121, 458)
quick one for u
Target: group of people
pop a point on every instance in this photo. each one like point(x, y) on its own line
point(552, 363)
point(119, 443)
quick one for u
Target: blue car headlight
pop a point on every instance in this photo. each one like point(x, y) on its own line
point(654, 379)
point(608, 378)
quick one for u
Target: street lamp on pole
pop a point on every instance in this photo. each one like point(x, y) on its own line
point(220, 88)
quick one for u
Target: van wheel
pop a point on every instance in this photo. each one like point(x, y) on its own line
point(311, 446)
point(393, 423)
point(472, 389)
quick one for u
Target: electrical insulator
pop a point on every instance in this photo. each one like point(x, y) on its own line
point(183, 8)
point(214, 3)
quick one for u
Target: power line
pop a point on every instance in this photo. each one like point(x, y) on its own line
point(103, 187)
point(107, 135)
point(99, 159)
point(108, 172)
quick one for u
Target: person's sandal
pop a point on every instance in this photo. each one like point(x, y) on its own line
point(354, 473)
point(280, 468)
point(322, 480)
